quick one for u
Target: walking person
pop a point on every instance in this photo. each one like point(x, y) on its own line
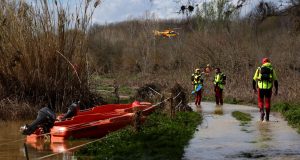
point(219, 82)
point(263, 80)
point(197, 82)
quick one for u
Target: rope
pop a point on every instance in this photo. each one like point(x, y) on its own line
point(177, 95)
point(155, 91)
point(161, 102)
point(178, 104)
point(50, 155)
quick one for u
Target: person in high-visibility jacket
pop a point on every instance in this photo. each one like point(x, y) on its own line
point(219, 83)
point(263, 80)
point(197, 81)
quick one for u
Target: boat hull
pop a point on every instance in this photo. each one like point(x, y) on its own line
point(95, 122)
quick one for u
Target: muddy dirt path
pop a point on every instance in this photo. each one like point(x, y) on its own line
point(221, 136)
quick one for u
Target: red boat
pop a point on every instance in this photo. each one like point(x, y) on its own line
point(102, 112)
point(95, 115)
point(96, 129)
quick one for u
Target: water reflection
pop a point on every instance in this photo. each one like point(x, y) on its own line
point(198, 108)
point(265, 133)
point(12, 145)
point(218, 110)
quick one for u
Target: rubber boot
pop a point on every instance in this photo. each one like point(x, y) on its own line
point(267, 114)
point(262, 114)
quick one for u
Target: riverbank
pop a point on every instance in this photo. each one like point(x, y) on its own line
point(11, 109)
point(161, 137)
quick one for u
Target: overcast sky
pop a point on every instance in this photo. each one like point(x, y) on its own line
point(110, 11)
point(121, 10)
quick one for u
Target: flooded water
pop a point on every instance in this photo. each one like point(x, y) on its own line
point(12, 145)
point(221, 136)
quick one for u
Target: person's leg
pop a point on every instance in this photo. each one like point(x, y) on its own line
point(200, 96)
point(217, 90)
point(221, 96)
point(197, 98)
point(34, 125)
point(260, 100)
point(268, 95)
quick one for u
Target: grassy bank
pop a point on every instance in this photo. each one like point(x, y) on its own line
point(291, 113)
point(161, 138)
point(244, 118)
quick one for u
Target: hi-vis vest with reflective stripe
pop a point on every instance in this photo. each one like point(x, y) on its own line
point(265, 84)
point(219, 80)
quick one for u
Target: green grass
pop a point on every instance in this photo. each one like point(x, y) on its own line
point(161, 138)
point(291, 113)
point(105, 86)
point(241, 116)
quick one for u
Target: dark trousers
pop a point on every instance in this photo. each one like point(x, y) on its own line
point(219, 95)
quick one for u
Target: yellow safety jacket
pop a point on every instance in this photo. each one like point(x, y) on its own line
point(197, 79)
point(261, 82)
point(219, 80)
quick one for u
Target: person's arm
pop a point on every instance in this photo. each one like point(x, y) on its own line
point(255, 77)
point(276, 87)
point(275, 82)
point(71, 111)
point(254, 86)
point(192, 79)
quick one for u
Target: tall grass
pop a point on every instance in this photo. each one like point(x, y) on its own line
point(43, 51)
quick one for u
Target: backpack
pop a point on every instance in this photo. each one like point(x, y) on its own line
point(265, 73)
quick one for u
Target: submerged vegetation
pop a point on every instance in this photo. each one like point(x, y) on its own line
point(244, 118)
point(161, 137)
point(291, 113)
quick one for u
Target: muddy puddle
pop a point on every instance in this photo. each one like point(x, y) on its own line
point(12, 145)
point(221, 136)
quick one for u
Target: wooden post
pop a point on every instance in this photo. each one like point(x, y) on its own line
point(137, 121)
point(116, 92)
point(171, 107)
point(162, 105)
point(26, 151)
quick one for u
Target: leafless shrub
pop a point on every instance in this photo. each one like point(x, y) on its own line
point(148, 92)
point(180, 98)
